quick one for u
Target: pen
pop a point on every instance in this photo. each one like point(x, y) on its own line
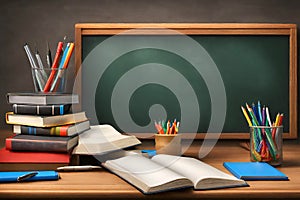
point(35, 75)
point(54, 66)
point(49, 57)
point(27, 176)
point(41, 70)
point(78, 168)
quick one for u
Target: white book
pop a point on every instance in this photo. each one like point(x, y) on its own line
point(45, 121)
point(100, 139)
point(166, 172)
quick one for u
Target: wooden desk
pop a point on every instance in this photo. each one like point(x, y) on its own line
point(104, 185)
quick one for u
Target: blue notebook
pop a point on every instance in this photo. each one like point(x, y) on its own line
point(39, 176)
point(254, 171)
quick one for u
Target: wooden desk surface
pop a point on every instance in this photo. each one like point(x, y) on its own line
point(104, 185)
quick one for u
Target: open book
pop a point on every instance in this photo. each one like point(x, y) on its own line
point(101, 139)
point(165, 172)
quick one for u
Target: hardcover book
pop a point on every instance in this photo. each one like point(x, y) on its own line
point(166, 172)
point(53, 109)
point(254, 171)
point(18, 161)
point(42, 98)
point(102, 139)
point(45, 121)
point(65, 130)
point(40, 143)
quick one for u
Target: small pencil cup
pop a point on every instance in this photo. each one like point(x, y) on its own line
point(266, 144)
point(168, 144)
point(48, 80)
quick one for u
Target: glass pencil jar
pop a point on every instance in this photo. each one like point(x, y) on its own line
point(49, 80)
point(266, 144)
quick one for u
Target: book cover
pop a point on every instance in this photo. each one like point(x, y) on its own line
point(42, 98)
point(40, 176)
point(53, 109)
point(45, 121)
point(254, 171)
point(20, 160)
point(40, 143)
point(65, 130)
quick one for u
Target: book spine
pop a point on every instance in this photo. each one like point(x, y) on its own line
point(36, 145)
point(41, 109)
point(31, 130)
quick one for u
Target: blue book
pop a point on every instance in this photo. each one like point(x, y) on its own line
point(37, 176)
point(254, 171)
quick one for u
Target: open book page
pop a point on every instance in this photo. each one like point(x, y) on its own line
point(201, 174)
point(101, 139)
point(146, 175)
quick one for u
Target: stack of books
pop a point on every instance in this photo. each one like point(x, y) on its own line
point(45, 131)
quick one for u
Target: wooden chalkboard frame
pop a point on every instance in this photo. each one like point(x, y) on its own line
point(85, 29)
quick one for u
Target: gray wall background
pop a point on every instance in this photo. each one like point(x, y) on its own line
point(36, 21)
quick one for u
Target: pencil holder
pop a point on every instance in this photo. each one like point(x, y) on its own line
point(266, 144)
point(49, 80)
point(168, 144)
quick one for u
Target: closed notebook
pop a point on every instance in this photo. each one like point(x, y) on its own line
point(40, 176)
point(254, 171)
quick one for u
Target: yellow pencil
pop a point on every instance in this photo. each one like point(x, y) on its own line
point(246, 116)
point(277, 119)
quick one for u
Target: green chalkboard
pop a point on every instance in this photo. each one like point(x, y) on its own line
point(252, 67)
point(160, 77)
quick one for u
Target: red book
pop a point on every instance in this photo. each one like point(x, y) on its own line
point(18, 161)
